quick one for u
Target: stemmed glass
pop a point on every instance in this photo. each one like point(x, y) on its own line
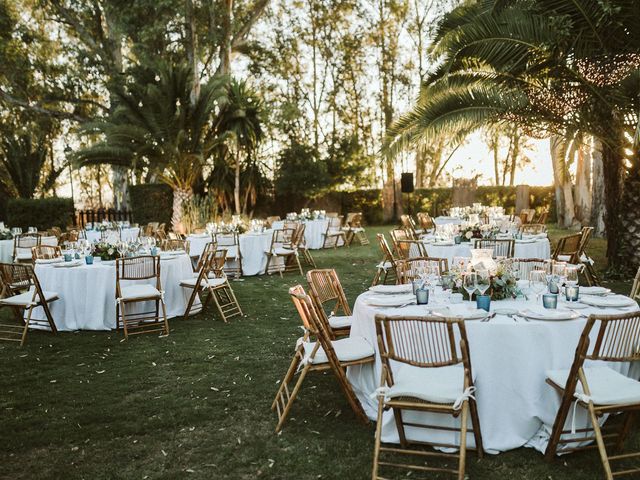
point(538, 282)
point(122, 248)
point(151, 242)
point(558, 273)
point(571, 278)
point(483, 281)
point(470, 283)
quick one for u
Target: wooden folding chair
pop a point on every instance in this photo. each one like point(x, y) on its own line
point(411, 269)
point(542, 218)
point(283, 247)
point(426, 222)
point(500, 247)
point(138, 269)
point(357, 231)
point(386, 269)
point(400, 234)
point(316, 352)
point(301, 243)
point(212, 279)
point(210, 247)
point(410, 249)
point(331, 303)
point(587, 262)
point(46, 252)
point(23, 244)
point(334, 233)
point(21, 291)
point(424, 369)
point(409, 225)
point(175, 245)
point(600, 390)
point(231, 243)
point(533, 228)
point(568, 249)
point(522, 267)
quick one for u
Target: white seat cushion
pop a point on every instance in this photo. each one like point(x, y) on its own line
point(24, 299)
point(213, 282)
point(232, 250)
point(437, 385)
point(340, 322)
point(283, 251)
point(607, 386)
point(23, 256)
point(384, 265)
point(347, 350)
point(133, 292)
point(564, 258)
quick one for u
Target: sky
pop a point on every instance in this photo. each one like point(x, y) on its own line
point(474, 158)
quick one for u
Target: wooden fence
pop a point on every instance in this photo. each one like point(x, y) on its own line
point(82, 217)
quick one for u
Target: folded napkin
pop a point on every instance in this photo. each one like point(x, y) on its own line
point(43, 261)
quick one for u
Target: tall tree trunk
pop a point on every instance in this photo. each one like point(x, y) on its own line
point(225, 46)
point(192, 51)
point(582, 189)
point(236, 187)
point(180, 196)
point(515, 155)
point(562, 182)
point(597, 189)
point(629, 234)
point(496, 160)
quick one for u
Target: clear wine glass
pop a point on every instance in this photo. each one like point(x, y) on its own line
point(121, 247)
point(469, 283)
point(538, 282)
point(571, 278)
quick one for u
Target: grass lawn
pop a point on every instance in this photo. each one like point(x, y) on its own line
point(196, 404)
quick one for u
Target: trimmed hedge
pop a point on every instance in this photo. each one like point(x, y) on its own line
point(151, 202)
point(43, 213)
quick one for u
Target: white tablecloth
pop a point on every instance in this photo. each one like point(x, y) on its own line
point(252, 248)
point(509, 359)
point(6, 248)
point(313, 233)
point(538, 249)
point(87, 293)
point(459, 221)
point(126, 234)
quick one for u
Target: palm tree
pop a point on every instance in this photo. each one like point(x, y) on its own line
point(553, 66)
point(158, 130)
point(241, 125)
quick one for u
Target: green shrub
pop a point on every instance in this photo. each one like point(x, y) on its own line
point(151, 202)
point(43, 213)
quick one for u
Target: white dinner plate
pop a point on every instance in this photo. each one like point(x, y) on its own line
point(505, 311)
point(594, 291)
point(551, 314)
point(444, 243)
point(473, 314)
point(526, 240)
point(392, 289)
point(390, 300)
point(573, 305)
point(612, 301)
point(74, 263)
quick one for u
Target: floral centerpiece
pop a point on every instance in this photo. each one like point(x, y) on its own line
point(106, 251)
point(503, 282)
point(5, 234)
point(469, 231)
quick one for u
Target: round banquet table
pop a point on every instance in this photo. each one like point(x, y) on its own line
point(509, 359)
point(6, 247)
point(313, 233)
point(87, 293)
point(126, 234)
point(253, 246)
point(459, 221)
point(539, 248)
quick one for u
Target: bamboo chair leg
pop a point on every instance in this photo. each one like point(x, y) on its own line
point(164, 316)
point(232, 296)
point(376, 278)
point(47, 313)
point(397, 413)
point(124, 320)
point(558, 426)
point(207, 299)
point(192, 299)
point(26, 327)
point(376, 448)
point(624, 431)
point(477, 433)
point(294, 394)
point(217, 303)
point(117, 315)
point(291, 371)
point(599, 440)
point(463, 440)
point(299, 265)
point(266, 268)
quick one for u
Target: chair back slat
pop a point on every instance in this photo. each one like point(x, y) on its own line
point(500, 247)
point(412, 268)
point(175, 244)
point(419, 341)
point(635, 288)
point(569, 247)
point(618, 338)
point(325, 287)
point(137, 268)
point(46, 252)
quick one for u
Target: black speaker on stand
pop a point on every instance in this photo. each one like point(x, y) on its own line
point(406, 186)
